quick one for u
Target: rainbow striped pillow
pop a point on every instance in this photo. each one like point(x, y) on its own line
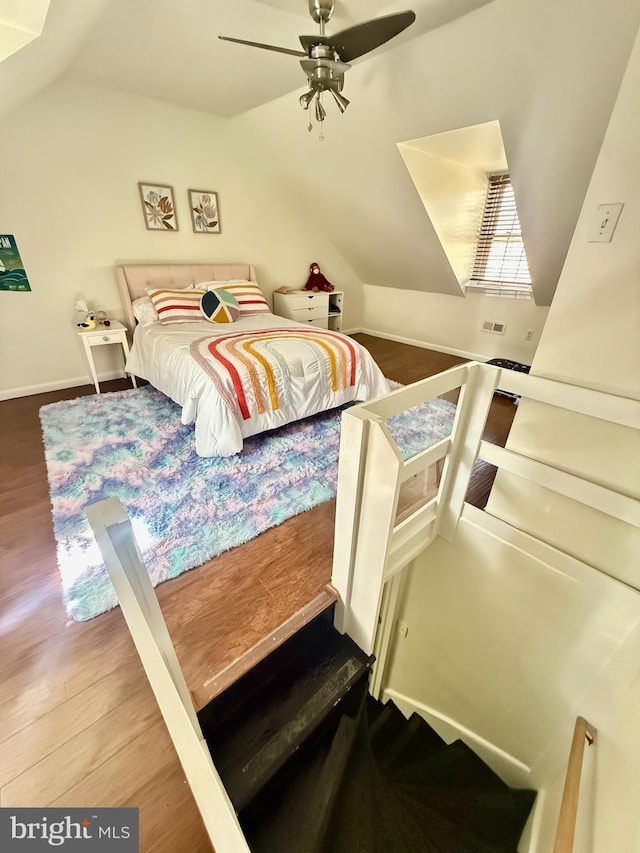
point(250, 298)
point(177, 306)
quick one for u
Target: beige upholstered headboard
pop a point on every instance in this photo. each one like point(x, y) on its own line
point(134, 279)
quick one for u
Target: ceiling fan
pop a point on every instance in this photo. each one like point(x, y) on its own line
point(325, 59)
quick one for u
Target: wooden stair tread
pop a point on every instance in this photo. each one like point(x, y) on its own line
point(389, 725)
point(315, 829)
point(295, 811)
point(373, 710)
point(255, 727)
point(272, 821)
point(242, 665)
point(496, 817)
point(417, 738)
point(446, 835)
point(370, 817)
point(453, 765)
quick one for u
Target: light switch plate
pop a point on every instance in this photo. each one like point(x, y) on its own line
point(604, 223)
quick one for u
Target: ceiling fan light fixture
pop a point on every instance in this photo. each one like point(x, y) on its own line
point(306, 99)
point(326, 58)
point(340, 100)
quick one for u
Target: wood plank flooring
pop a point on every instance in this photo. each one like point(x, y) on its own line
point(78, 722)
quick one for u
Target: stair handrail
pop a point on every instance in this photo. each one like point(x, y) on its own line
point(583, 733)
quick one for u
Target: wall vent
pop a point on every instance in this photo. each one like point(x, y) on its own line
point(494, 327)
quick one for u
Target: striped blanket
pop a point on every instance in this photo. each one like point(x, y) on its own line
point(257, 372)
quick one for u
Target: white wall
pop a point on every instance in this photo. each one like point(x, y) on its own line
point(453, 195)
point(71, 159)
point(591, 338)
point(454, 322)
point(511, 646)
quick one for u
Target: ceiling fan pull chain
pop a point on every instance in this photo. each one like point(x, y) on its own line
point(310, 128)
point(322, 131)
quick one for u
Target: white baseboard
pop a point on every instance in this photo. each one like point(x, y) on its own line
point(474, 356)
point(510, 769)
point(56, 385)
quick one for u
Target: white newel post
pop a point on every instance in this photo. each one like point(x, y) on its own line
point(114, 535)
point(471, 417)
point(361, 553)
point(353, 435)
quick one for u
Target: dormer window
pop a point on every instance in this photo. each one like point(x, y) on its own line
point(500, 266)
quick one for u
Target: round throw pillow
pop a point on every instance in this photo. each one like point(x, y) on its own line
point(220, 306)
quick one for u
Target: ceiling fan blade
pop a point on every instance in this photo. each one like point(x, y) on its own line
point(355, 41)
point(265, 46)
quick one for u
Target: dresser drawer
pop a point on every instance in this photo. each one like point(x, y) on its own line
point(106, 338)
point(304, 315)
point(319, 322)
point(307, 299)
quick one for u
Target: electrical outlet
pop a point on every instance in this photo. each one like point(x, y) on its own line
point(403, 629)
point(529, 335)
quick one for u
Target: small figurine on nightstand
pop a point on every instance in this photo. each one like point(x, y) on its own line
point(316, 281)
point(101, 317)
point(89, 322)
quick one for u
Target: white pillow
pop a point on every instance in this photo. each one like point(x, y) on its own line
point(143, 311)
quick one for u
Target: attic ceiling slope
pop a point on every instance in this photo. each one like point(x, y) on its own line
point(172, 53)
point(37, 64)
point(20, 23)
point(358, 195)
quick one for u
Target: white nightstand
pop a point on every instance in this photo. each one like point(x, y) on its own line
point(116, 333)
point(318, 309)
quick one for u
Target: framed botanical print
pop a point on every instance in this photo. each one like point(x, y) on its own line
point(205, 213)
point(158, 207)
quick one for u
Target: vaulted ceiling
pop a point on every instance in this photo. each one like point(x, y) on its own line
point(526, 63)
point(170, 51)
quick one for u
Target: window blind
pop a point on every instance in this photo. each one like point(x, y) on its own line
point(500, 256)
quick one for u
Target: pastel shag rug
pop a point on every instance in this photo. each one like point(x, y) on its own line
point(186, 509)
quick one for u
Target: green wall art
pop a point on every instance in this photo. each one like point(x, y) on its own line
point(12, 274)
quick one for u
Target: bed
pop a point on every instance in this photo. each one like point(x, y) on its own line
point(237, 379)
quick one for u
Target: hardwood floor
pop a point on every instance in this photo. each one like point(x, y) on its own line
point(78, 722)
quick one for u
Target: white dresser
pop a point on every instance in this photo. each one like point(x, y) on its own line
point(323, 310)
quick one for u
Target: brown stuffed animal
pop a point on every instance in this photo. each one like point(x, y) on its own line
point(316, 281)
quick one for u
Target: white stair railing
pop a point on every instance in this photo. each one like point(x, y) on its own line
point(371, 547)
point(114, 534)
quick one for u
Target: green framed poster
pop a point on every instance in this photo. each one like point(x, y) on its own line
point(12, 274)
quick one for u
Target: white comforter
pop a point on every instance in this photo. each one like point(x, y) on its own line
point(162, 355)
